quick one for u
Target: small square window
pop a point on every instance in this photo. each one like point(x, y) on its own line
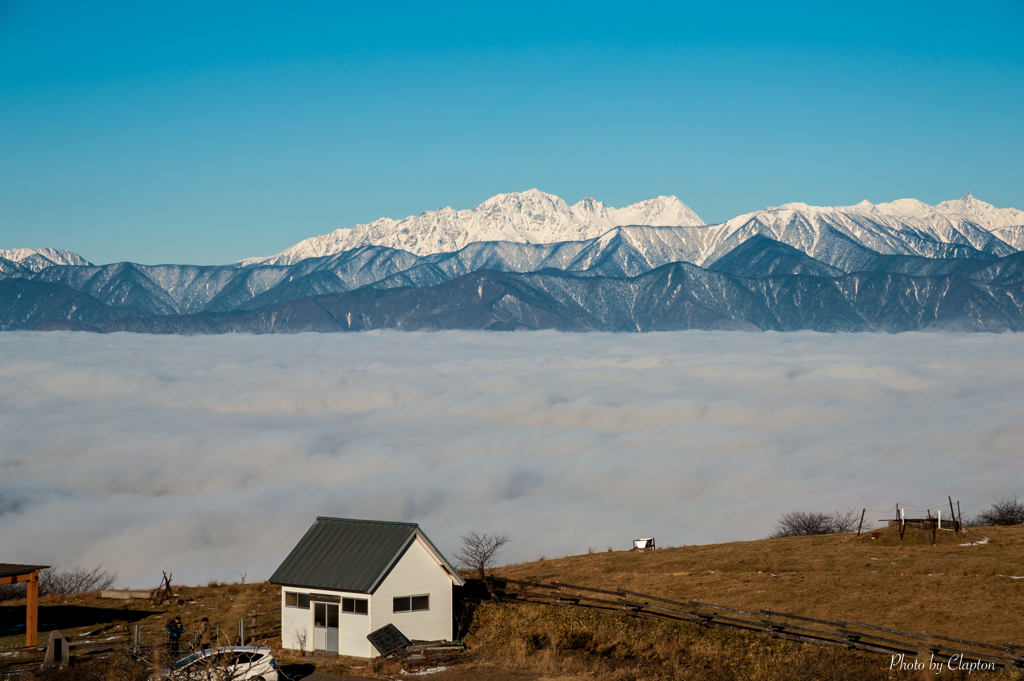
point(304, 601)
point(402, 604)
point(291, 599)
point(420, 603)
point(356, 606)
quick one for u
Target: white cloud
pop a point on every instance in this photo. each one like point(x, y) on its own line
point(204, 456)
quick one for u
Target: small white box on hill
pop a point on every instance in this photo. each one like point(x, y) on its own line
point(646, 544)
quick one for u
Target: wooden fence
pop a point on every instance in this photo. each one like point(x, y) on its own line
point(839, 632)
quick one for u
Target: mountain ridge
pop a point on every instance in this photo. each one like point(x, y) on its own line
point(536, 217)
point(532, 216)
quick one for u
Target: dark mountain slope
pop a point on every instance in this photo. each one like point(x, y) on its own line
point(760, 256)
point(28, 303)
point(673, 297)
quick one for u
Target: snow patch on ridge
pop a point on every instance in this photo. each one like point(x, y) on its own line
point(36, 259)
point(521, 217)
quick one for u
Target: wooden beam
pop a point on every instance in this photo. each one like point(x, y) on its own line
point(32, 610)
point(14, 579)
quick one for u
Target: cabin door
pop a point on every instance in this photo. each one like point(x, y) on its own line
point(325, 627)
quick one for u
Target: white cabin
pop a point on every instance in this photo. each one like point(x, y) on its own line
point(346, 578)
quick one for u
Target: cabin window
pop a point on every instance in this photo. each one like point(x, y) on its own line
point(296, 600)
point(412, 603)
point(357, 606)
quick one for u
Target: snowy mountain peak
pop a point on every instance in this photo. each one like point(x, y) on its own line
point(530, 216)
point(968, 208)
point(36, 259)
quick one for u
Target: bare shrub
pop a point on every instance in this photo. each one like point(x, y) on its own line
point(805, 523)
point(1005, 511)
point(479, 550)
point(845, 521)
point(75, 581)
point(63, 582)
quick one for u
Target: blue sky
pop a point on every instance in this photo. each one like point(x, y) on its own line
point(207, 132)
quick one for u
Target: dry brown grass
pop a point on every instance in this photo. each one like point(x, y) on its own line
point(946, 589)
point(962, 591)
point(569, 643)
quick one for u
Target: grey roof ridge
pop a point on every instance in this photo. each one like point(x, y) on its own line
point(370, 522)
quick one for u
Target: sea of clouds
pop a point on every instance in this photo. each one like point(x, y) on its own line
point(210, 456)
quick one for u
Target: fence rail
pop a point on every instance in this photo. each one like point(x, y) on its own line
point(838, 632)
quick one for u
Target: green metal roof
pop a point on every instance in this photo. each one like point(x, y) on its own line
point(342, 554)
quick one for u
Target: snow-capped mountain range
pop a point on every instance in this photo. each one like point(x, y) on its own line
point(523, 217)
point(539, 218)
point(35, 259)
point(894, 266)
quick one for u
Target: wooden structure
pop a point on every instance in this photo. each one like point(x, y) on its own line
point(13, 573)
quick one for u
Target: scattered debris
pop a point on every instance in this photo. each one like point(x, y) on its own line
point(980, 542)
point(415, 656)
point(423, 655)
point(387, 639)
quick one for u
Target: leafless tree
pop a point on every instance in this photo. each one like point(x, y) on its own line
point(75, 581)
point(1005, 511)
point(479, 550)
point(844, 521)
point(66, 582)
point(803, 523)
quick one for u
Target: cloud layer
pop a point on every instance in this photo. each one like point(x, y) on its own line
point(209, 457)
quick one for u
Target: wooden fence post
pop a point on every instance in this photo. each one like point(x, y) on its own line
point(32, 610)
point(952, 516)
point(861, 521)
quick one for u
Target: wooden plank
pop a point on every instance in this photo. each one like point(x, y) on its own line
point(655, 598)
point(978, 656)
point(560, 585)
point(668, 611)
point(960, 640)
point(798, 617)
point(722, 607)
point(536, 584)
point(797, 627)
point(877, 628)
point(579, 597)
point(716, 617)
point(857, 635)
point(807, 639)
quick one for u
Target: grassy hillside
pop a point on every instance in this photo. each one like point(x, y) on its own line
point(961, 591)
point(964, 591)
